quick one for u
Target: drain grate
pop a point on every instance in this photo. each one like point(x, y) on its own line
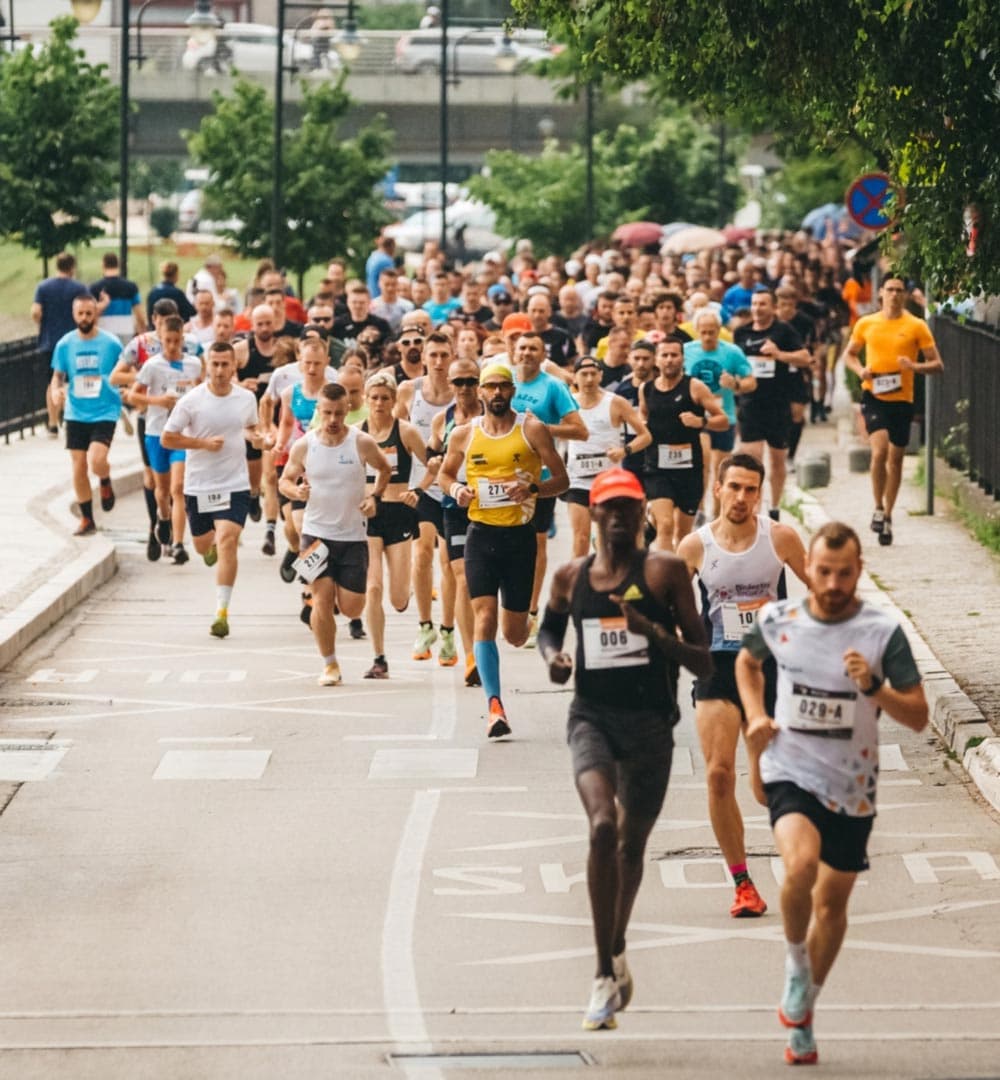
point(541, 1059)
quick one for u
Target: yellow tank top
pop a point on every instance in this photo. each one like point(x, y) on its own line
point(490, 461)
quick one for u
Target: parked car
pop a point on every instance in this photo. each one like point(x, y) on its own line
point(474, 222)
point(251, 47)
point(471, 51)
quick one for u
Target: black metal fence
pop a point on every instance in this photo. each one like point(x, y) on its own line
point(24, 374)
point(966, 401)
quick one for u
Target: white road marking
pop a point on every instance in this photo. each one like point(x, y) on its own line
point(441, 764)
point(206, 739)
point(26, 761)
point(890, 758)
point(212, 765)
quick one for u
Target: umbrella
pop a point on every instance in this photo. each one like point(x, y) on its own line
point(674, 227)
point(693, 238)
point(735, 233)
point(817, 221)
point(638, 233)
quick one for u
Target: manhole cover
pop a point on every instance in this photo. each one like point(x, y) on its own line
point(557, 1059)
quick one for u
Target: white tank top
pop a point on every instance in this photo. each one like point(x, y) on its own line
point(586, 458)
point(736, 585)
point(422, 414)
point(336, 477)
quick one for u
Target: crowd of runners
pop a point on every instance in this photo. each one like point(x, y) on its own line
point(406, 438)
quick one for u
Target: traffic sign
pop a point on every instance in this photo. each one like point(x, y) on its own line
point(867, 197)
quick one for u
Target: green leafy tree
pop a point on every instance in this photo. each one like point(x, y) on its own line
point(58, 140)
point(806, 182)
point(331, 207)
point(915, 82)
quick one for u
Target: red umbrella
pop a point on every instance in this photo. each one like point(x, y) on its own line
point(638, 234)
point(734, 234)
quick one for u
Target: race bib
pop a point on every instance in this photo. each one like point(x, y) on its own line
point(738, 618)
point(589, 464)
point(608, 643)
point(392, 456)
point(821, 712)
point(312, 562)
point(886, 384)
point(763, 366)
point(457, 540)
point(182, 386)
point(674, 457)
point(213, 501)
point(493, 493)
point(87, 386)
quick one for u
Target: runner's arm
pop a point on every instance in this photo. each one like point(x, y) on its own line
point(930, 366)
point(413, 442)
point(404, 397)
point(293, 471)
point(672, 588)
point(286, 420)
point(552, 632)
point(789, 547)
point(371, 455)
point(448, 473)
point(692, 551)
point(623, 412)
point(570, 426)
point(715, 417)
point(750, 683)
point(540, 437)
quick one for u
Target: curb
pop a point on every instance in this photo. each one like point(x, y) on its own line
point(47, 604)
point(955, 717)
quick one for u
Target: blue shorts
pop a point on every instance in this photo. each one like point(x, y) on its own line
point(723, 440)
point(239, 507)
point(160, 460)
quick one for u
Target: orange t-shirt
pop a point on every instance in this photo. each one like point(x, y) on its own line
point(885, 341)
point(858, 298)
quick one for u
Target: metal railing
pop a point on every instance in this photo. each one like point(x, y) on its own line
point(966, 401)
point(24, 375)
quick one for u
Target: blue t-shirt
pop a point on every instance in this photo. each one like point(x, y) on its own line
point(439, 313)
point(56, 295)
point(709, 366)
point(87, 363)
point(547, 397)
point(377, 262)
point(736, 297)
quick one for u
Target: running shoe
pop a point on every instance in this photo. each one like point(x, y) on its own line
point(357, 628)
point(53, 430)
point(748, 904)
point(286, 571)
point(163, 532)
point(378, 670)
point(426, 636)
point(153, 548)
point(447, 655)
point(623, 979)
point(220, 628)
point(305, 615)
point(604, 1001)
point(885, 536)
point(331, 675)
point(254, 511)
point(211, 556)
point(532, 642)
point(86, 527)
point(496, 723)
point(801, 1048)
point(268, 546)
point(471, 671)
point(878, 521)
point(107, 496)
point(795, 1009)
point(179, 554)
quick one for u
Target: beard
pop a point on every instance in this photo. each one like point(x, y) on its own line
point(85, 326)
point(499, 407)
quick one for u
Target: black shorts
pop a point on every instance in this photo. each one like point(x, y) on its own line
point(545, 511)
point(770, 423)
point(347, 564)
point(501, 558)
point(393, 523)
point(253, 454)
point(632, 747)
point(576, 496)
point(239, 507)
point(683, 487)
point(140, 432)
point(843, 839)
point(456, 527)
point(894, 417)
point(723, 440)
point(431, 510)
point(721, 684)
point(80, 434)
point(801, 391)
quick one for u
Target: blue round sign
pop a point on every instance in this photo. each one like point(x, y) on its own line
point(866, 200)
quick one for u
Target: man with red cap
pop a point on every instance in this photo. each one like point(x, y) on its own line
point(627, 605)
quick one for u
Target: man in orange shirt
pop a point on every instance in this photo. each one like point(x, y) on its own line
point(896, 344)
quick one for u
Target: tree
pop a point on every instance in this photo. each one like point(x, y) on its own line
point(915, 82)
point(804, 183)
point(329, 181)
point(58, 139)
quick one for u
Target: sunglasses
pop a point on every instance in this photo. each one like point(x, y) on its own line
point(322, 319)
point(410, 341)
point(470, 381)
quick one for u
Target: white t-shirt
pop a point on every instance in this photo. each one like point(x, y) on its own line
point(201, 414)
point(289, 375)
point(161, 376)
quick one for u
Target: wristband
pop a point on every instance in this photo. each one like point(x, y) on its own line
point(874, 688)
point(456, 486)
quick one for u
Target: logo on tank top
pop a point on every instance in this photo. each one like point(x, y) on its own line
point(633, 592)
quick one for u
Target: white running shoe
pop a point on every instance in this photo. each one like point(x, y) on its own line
point(604, 1001)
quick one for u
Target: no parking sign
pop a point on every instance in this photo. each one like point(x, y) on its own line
point(867, 197)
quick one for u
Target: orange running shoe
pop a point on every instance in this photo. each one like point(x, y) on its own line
point(496, 722)
point(748, 904)
point(471, 671)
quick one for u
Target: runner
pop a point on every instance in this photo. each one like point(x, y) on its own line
point(627, 605)
point(738, 559)
point(606, 416)
point(391, 530)
point(676, 407)
point(841, 662)
point(215, 421)
point(326, 468)
point(82, 363)
point(895, 344)
point(504, 453)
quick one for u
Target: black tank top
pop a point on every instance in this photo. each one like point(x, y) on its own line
point(258, 367)
point(664, 408)
point(614, 667)
point(401, 460)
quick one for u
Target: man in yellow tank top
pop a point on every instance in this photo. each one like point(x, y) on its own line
point(504, 454)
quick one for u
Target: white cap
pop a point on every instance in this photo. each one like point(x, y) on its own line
point(539, 290)
point(593, 259)
point(493, 257)
point(573, 267)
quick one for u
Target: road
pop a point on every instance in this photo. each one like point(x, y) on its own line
point(211, 867)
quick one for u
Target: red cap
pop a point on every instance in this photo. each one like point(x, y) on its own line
point(517, 320)
point(615, 484)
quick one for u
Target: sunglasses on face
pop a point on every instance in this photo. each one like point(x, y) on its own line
point(470, 381)
point(323, 318)
point(411, 341)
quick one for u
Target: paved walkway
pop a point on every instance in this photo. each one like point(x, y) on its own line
point(944, 586)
